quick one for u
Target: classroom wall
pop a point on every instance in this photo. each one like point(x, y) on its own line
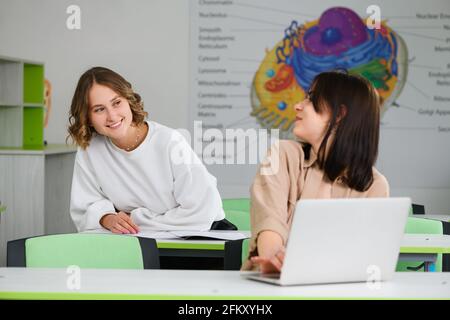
point(147, 41)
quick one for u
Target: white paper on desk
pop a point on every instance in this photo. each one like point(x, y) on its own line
point(143, 233)
point(216, 234)
point(156, 234)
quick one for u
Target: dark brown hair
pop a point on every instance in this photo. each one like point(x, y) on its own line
point(354, 149)
point(80, 129)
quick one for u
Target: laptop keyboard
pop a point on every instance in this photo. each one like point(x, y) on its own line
point(270, 275)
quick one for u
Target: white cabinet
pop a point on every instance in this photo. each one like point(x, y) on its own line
point(35, 188)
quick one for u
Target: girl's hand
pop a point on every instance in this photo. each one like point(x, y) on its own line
point(119, 223)
point(271, 264)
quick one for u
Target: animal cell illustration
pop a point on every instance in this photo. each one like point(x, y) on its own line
point(339, 39)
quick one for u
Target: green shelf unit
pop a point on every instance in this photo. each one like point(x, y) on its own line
point(33, 84)
point(21, 103)
point(33, 133)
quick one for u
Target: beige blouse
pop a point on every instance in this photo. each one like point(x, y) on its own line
point(285, 178)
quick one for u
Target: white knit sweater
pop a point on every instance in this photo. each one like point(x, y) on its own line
point(162, 183)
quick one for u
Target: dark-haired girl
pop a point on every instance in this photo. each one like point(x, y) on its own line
point(337, 127)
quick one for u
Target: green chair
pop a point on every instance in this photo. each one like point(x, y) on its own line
point(97, 251)
point(237, 204)
point(421, 226)
point(237, 211)
point(240, 219)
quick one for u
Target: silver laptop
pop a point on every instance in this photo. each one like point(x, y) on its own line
point(342, 240)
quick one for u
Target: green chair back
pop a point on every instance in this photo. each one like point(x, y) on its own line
point(237, 204)
point(240, 219)
point(98, 251)
point(237, 211)
point(422, 226)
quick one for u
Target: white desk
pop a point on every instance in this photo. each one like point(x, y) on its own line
point(424, 247)
point(425, 243)
point(414, 247)
point(415, 243)
point(440, 217)
point(29, 283)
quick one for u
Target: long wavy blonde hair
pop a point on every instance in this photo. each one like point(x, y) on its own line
point(80, 129)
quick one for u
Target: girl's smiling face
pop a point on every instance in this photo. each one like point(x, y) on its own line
point(109, 113)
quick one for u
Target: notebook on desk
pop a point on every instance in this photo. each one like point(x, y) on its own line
point(342, 240)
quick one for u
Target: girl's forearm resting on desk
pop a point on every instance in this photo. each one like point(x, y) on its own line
point(269, 243)
point(270, 251)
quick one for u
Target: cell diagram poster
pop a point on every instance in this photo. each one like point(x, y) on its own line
point(251, 61)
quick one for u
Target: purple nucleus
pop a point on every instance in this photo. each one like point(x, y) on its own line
point(338, 30)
